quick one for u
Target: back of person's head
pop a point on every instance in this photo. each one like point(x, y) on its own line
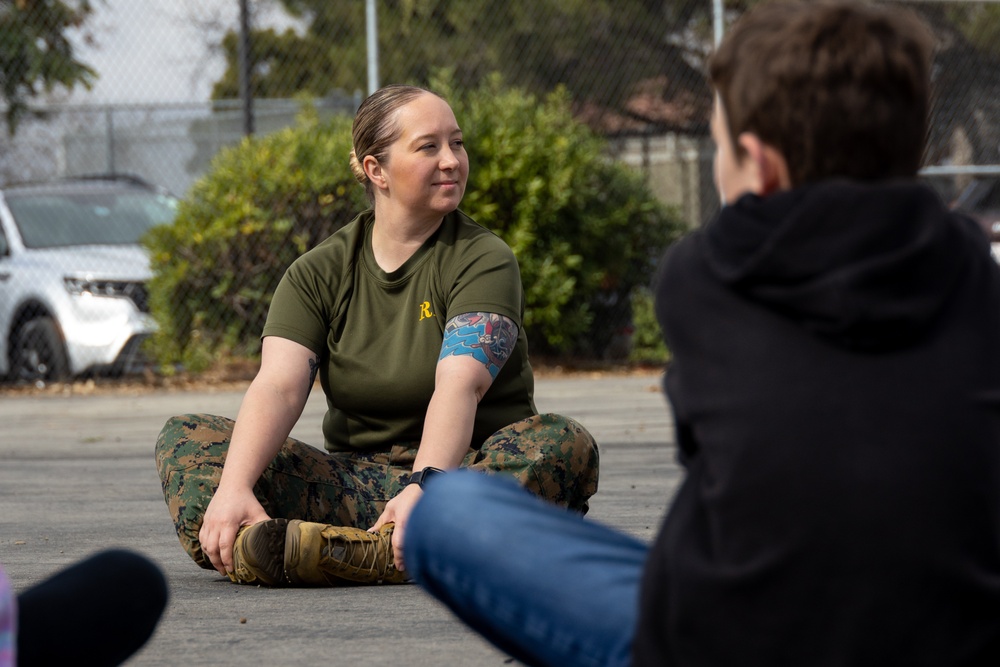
point(840, 88)
point(375, 128)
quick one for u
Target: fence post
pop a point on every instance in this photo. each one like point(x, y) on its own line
point(371, 24)
point(246, 71)
point(109, 128)
point(718, 14)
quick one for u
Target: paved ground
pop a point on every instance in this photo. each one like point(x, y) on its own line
point(77, 476)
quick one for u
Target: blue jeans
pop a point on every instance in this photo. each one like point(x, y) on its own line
point(538, 581)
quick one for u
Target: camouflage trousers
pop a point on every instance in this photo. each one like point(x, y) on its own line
point(550, 455)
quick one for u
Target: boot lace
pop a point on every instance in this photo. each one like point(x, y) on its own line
point(367, 556)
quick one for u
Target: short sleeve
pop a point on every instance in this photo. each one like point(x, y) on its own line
point(308, 300)
point(297, 310)
point(489, 281)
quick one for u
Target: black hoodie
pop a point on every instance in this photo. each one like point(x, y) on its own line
point(835, 383)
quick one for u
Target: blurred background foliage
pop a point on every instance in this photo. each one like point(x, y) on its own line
point(35, 54)
point(586, 123)
point(597, 49)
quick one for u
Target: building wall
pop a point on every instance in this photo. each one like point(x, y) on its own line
point(678, 169)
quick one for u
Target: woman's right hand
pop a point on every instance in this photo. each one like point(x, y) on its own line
point(271, 406)
point(227, 512)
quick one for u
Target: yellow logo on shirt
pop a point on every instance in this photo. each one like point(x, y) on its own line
point(425, 311)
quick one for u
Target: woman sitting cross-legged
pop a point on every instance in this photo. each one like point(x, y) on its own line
point(411, 315)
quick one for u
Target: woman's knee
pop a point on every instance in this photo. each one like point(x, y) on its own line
point(575, 441)
point(190, 440)
point(174, 435)
point(553, 456)
point(569, 463)
point(190, 453)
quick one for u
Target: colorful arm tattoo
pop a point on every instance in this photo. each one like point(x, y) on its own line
point(488, 337)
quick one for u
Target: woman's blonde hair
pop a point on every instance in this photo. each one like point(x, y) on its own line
point(375, 128)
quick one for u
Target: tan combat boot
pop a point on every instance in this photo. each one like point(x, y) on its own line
point(259, 554)
point(279, 552)
point(317, 554)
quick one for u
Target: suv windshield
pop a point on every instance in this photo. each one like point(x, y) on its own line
point(54, 219)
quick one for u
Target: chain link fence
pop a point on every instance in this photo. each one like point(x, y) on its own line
point(633, 71)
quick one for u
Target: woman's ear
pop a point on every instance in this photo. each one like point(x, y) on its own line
point(374, 171)
point(769, 165)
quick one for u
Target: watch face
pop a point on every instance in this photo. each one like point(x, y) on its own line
point(421, 476)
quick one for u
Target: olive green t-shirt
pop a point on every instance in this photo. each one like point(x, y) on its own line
point(378, 334)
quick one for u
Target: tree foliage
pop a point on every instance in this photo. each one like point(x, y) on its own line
point(627, 65)
point(596, 49)
point(35, 54)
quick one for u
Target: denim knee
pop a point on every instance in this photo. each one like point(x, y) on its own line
point(452, 503)
point(448, 500)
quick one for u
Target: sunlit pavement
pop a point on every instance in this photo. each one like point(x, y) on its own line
point(77, 475)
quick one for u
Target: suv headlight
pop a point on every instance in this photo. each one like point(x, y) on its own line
point(134, 291)
point(81, 286)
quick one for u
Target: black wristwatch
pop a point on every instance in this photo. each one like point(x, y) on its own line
point(421, 476)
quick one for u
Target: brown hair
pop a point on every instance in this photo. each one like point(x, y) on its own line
point(840, 88)
point(375, 128)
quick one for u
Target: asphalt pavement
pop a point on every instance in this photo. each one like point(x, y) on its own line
point(77, 476)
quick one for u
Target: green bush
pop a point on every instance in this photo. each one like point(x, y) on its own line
point(586, 230)
point(647, 342)
point(261, 204)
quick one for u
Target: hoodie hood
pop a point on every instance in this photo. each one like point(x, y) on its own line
point(865, 266)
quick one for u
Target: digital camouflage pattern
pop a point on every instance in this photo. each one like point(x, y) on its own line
point(551, 455)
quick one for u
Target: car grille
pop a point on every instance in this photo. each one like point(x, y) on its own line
point(135, 291)
point(139, 295)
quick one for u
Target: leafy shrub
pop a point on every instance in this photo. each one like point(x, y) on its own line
point(586, 230)
point(647, 342)
point(262, 203)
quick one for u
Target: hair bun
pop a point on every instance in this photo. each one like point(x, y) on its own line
point(359, 171)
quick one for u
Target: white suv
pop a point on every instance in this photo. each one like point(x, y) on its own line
point(73, 276)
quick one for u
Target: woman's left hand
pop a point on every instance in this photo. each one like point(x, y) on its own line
point(464, 373)
point(398, 511)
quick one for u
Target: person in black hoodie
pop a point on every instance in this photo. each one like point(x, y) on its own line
point(835, 385)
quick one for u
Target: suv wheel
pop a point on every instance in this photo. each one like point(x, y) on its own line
point(38, 353)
